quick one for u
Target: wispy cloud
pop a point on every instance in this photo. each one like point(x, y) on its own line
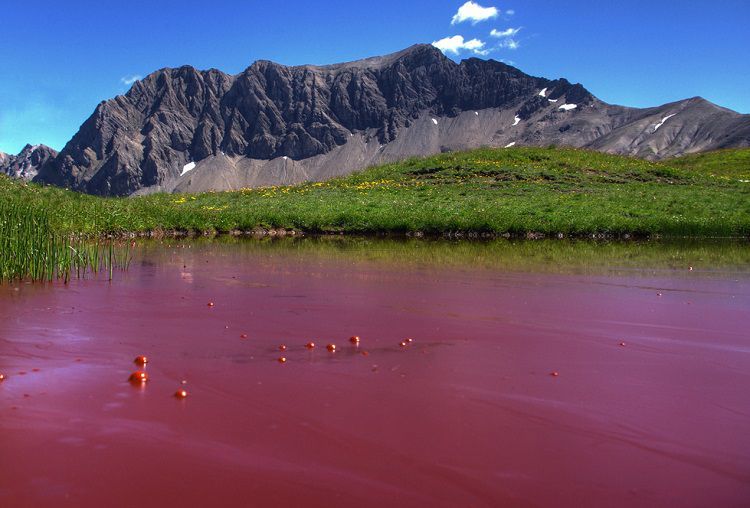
point(456, 44)
point(129, 80)
point(510, 12)
point(473, 12)
point(501, 34)
point(509, 44)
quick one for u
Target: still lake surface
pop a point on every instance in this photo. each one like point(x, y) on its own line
point(650, 405)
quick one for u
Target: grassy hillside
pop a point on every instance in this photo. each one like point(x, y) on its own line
point(544, 190)
point(727, 163)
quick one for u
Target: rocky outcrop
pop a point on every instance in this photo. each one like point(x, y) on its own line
point(26, 164)
point(273, 124)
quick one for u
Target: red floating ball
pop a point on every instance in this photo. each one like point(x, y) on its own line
point(282, 360)
point(282, 347)
point(331, 348)
point(210, 304)
point(138, 377)
point(140, 360)
point(354, 339)
point(310, 345)
point(554, 374)
point(181, 394)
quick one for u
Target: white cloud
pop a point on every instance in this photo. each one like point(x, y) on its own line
point(510, 32)
point(456, 44)
point(510, 44)
point(475, 13)
point(129, 80)
point(510, 12)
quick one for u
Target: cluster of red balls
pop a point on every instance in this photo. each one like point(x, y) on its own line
point(140, 377)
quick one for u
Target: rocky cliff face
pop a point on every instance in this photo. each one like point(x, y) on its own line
point(277, 124)
point(26, 164)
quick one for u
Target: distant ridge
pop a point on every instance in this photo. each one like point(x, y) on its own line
point(26, 164)
point(186, 130)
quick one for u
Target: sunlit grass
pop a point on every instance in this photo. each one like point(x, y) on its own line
point(517, 191)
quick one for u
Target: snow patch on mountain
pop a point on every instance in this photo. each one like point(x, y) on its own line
point(187, 168)
point(663, 120)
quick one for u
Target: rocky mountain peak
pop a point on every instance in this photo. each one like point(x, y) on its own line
point(26, 164)
point(374, 109)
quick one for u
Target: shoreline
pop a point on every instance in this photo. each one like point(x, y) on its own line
point(447, 235)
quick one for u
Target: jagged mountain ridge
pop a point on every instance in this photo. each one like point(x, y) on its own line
point(26, 164)
point(277, 124)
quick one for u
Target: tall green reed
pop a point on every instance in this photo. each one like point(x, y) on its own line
point(30, 249)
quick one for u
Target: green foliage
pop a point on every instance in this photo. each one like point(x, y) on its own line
point(544, 190)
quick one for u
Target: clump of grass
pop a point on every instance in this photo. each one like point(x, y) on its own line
point(30, 249)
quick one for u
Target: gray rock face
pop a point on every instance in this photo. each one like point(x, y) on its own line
point(277, 124)
point(26, 164)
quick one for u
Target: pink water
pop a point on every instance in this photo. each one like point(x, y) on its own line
point(466, 415)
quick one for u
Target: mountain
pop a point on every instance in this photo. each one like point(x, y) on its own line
point(187, 130)
point(26, 164)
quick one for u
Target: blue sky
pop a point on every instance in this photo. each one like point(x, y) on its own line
point(59, 59)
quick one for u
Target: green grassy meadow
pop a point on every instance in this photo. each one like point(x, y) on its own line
point(516, 191)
